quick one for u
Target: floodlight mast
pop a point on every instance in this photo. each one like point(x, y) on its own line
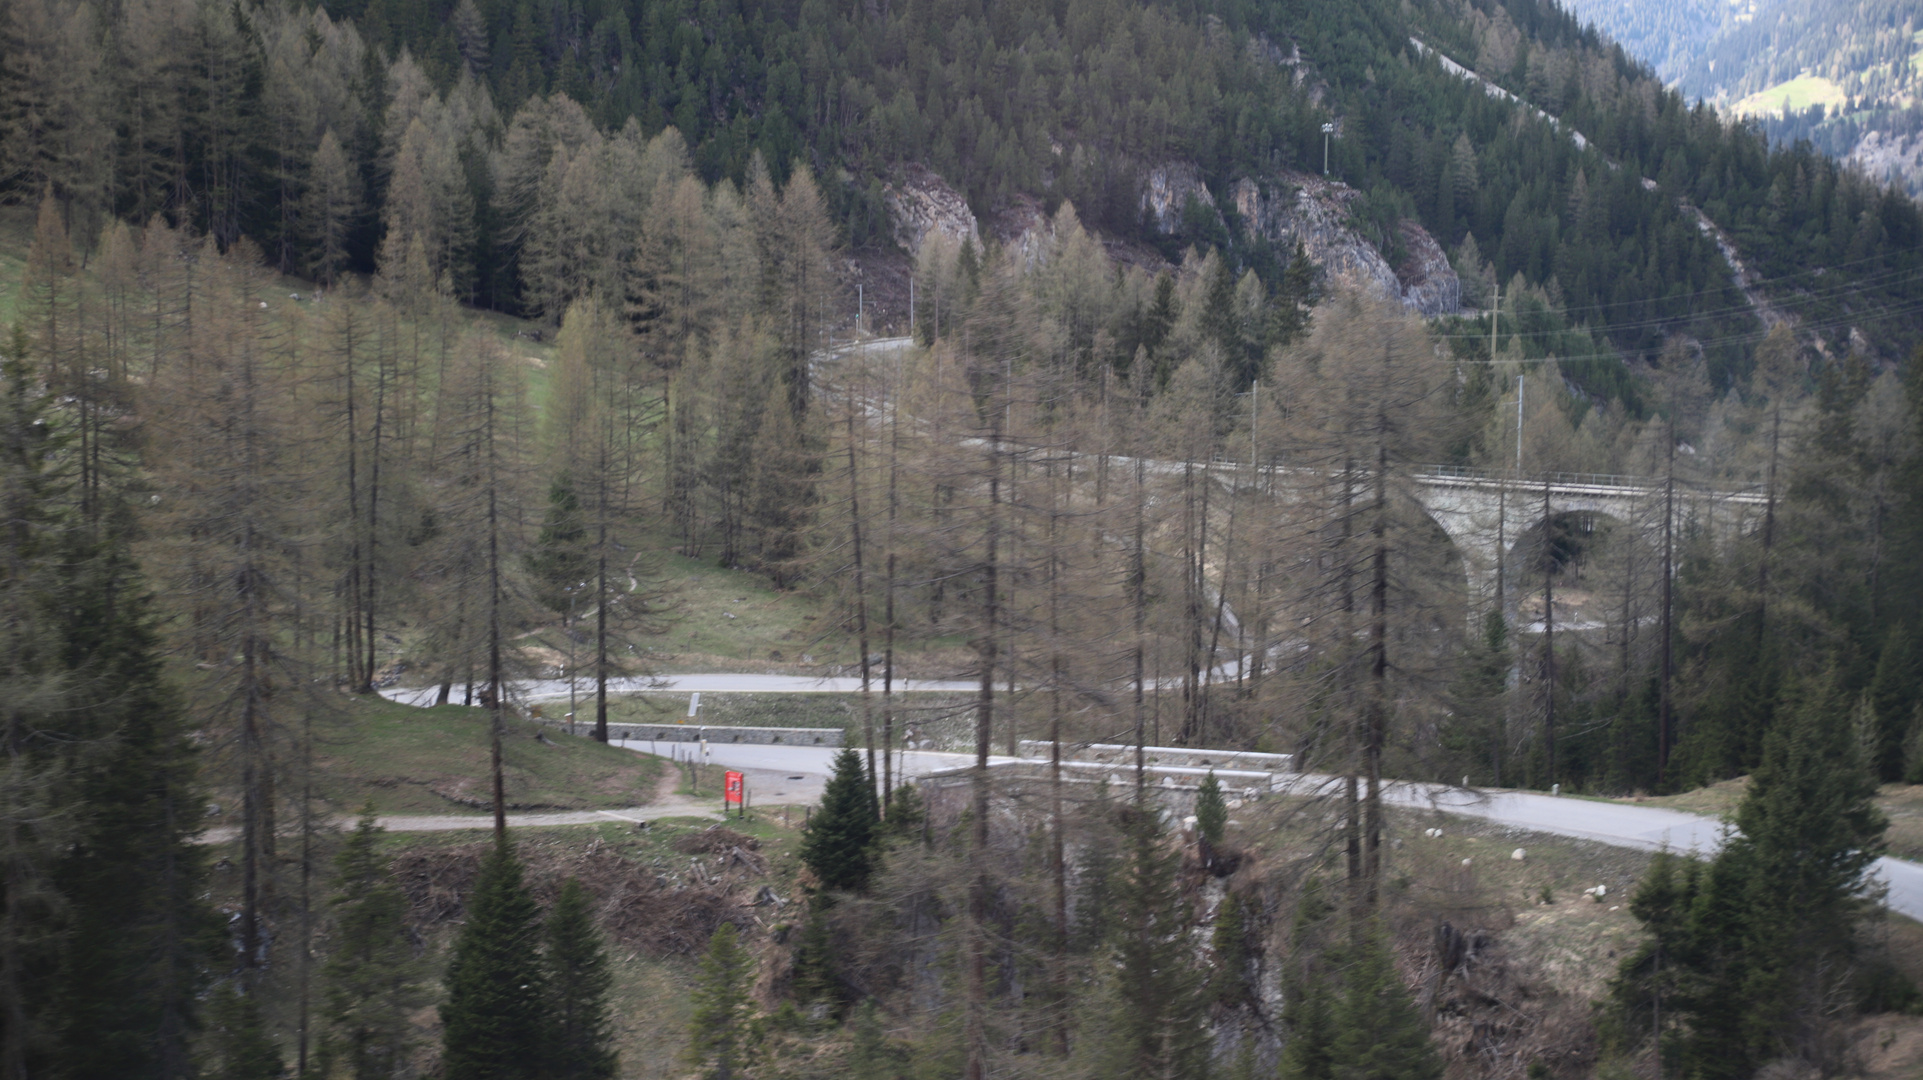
point(1327, 130)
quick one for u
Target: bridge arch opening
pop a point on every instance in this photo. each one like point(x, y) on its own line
point(1590, 559)
point(1431, 576)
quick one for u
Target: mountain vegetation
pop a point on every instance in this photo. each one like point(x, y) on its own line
point(272, 431)
point(1840, 75)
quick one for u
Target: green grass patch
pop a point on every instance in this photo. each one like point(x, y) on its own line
point(727, 620)
point(736, 615)
point(406, 760)
point(1797, 94)
point(841, 712)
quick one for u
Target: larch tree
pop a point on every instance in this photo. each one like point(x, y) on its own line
point(599, 394)
point(1366, 386)
point(482, 491)
point(227, 462)
point(331, 209)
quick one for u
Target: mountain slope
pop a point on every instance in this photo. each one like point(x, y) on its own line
point(323, 135)
point(1843, 74)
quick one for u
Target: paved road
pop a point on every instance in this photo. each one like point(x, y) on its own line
point(551, 689)
point(1647, 828)
point(796, 774)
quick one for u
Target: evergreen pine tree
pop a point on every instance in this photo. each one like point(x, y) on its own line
point(839, 845)
point(1308, 1012)
point(1913, 747)
point(905, 813)
point(1289, 317)
point(1643, 989)
point(559, 561)
point(1211, 813)
point(870, 1057)
point(721, 1006)
point(371, 980)
point(1810, 833)
point(494, 1025)
point(579, 977)
point(1379, 1034)
point(1772, 924)
point(1715, 970)
point(1229, 984)
point(1095, 874)
point(140, 938)
point(1308, 1008)
point(1893, 694)
point(1473, 734)
point(814, 970)
point(1157, 1024)
point(239, 1045)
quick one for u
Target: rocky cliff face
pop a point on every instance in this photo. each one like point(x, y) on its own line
point(1295, 206)
point(924, 203)
point(1315, 211)
point(1897, 157)
point(1166, 191)
point(1022, 228)
point(1429, 284)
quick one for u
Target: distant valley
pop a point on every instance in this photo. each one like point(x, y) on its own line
point(1843, 74)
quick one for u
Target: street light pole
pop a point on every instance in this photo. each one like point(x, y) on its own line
point(1327, 130)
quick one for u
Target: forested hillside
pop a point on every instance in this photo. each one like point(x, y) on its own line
point(1841, 74)
point(1670, 38)
point(222, 121)
point(395, 342)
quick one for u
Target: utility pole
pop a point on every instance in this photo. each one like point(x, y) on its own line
point(1519, 394)
point(1327, 130)
point(1669, 576)
point(573, 591)
point(1548, 632)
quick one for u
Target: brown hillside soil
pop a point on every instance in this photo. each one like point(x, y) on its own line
point(1904, 805)
point(658, 893)
point(1888, 1047)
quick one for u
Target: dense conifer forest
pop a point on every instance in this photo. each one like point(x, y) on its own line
point(399, 340)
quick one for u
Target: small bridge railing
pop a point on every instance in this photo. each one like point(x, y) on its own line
point(1569, 479)
point(1604, 482)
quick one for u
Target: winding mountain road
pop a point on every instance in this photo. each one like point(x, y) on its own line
point(551, 689)
point(795, 775)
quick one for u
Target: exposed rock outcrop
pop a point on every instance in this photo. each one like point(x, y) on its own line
point(1022, 228)
point(1293, 207)
point(1166, 191)
point(1315, 211)
point(1429, 284)
point(923, 203)
point(1899, 158)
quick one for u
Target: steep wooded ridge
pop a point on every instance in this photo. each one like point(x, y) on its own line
point(1842, 74)
point(221, 119)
